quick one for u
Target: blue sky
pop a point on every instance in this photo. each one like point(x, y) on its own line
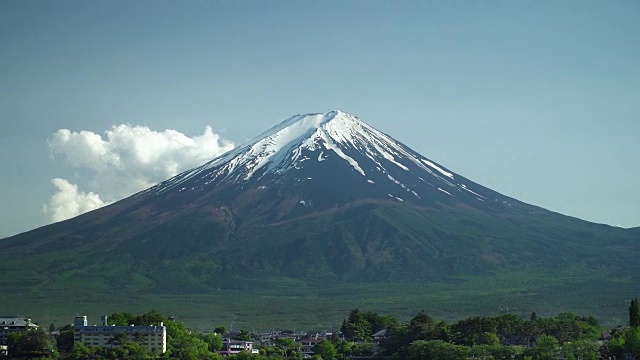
point(539, 100)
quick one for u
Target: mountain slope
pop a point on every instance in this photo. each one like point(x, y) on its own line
point(320, 201)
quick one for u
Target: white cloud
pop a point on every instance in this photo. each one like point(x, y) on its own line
point(127, 160)
point(68, 202)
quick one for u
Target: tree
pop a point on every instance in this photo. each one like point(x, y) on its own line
point(616, 344)
point(120, 319)
point(244, 355)
point(356, 327)
point(151, 318)
point(134, 351)
point(287, 345)
point(325, 349)
point(183, 345)
point(565, 327)
point(118, 339)
point(436, 350)
point(632, 340)
point(488, 338)
point(547, 343)
point(377, 322)
point(344, 348)
point(505, 352)
point(139, 338)
point(81, 351)
point(420, 327)
point(546, 348)
point(64, 341)
point(33, 343)
point(244, 335)
point(362, 349)
point(214, 341)
point(116, 353)
point(423, 327)
point(481, 352)
point(468, 331)
point(634, 313)
point(189, 347)
point(220, 330)
point(581, 349)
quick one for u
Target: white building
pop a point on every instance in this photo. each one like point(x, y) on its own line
point(153, 338)
point(233, 347)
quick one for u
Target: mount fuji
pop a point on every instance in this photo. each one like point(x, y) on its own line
point(322, 201)
point(315, 162)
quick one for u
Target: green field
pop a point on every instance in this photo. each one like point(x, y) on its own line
point(292, 304)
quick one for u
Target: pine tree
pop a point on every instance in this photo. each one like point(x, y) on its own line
point(634, 313)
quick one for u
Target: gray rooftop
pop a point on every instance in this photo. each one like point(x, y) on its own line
point(15, 322)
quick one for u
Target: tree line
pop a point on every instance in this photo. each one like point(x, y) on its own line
point(507, 336)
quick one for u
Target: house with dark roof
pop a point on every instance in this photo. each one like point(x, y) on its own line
point(10, 325)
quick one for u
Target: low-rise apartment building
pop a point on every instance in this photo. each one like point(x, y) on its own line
point(308, 343)
point(153, 338)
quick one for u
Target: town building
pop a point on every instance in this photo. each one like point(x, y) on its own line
point(232, 347)
point(378, 339)
point(153, 338)
point(10, 325)
point(308, 343)
point(267, 339)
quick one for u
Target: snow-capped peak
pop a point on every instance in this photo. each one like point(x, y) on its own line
point(318, 137)
point(298, 125)
point(308, 131)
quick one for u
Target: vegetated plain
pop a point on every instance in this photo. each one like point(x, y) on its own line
point(287, 303)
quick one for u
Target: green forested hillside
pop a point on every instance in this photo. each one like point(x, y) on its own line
point(383, 256)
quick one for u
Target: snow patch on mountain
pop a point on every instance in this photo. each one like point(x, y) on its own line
point(464, 187)
point(329, 145)
point(445, 191)
point(443, 172)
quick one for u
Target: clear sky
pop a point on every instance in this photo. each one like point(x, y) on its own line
point(539, 100)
